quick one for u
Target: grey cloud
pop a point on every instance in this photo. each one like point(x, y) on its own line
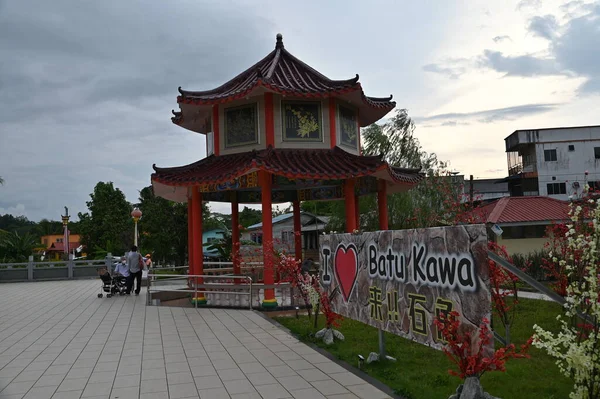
point(452, 68)
point(522, 65)
point(86, 91)
point(491, 115)
point(499, 39)
point(545, 27)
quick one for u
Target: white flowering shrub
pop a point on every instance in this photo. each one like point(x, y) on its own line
point(576, 346)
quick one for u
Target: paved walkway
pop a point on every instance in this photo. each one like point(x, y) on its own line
point(58, 340)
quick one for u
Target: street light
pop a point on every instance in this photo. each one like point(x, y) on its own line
point(136, 214)
point(65, 222)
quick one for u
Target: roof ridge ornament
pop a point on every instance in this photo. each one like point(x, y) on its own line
point(279, 42)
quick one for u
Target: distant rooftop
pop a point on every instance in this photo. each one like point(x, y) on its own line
point(537, 210)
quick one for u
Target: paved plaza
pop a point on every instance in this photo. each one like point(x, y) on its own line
point(59, 340)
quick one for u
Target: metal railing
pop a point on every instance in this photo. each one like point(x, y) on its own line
point(58, 270)
point(192, 280)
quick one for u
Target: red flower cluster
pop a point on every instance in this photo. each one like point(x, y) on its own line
point(468, 351)
point(500, 281)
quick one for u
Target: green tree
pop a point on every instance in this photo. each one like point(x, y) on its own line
point(249, 216)
point(164, 227)
point(15, 247)
point(424, 205)
point(46, 227)
point(108, 222)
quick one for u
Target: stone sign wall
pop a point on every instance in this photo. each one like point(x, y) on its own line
point(400, 280)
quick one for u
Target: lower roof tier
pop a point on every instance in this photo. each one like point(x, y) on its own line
point(300, 168)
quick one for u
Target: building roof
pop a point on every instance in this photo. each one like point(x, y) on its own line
point(60, 247)
point(488, 186)
point(328, 164)
point(282, 73)
point(287, 216)
point(525, 210)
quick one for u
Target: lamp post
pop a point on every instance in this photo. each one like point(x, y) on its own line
point(65, 222)
point(136, 214)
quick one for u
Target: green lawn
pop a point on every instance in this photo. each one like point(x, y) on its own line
point(421, 372)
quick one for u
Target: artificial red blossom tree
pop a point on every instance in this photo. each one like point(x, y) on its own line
point(289, 270)
point(471, 352)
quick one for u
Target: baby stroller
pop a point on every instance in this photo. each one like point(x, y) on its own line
point(111, 285)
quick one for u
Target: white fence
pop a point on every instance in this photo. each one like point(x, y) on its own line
point(60, 270)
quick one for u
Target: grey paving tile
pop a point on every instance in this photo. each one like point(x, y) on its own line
point(183, 391)
point(307, 393)
point(261, 379)
point(273, 391)
point(231, 374)
point(154, 395)
point(343, 396)
point(367, 391)
point(17, 388)
point(180, 378)
point(281, 371)
point(205, 370)
point(125, 393)
point(329, 387)
point(239, 386)
point(213, 393)
point(96, 389)
point(211, 381)
point(314, 374)
point(72, 384)
point(292, 383)
point(67, 395)
point(151, 374)
point(40, 392)
point(154, 385)
point(346, 378)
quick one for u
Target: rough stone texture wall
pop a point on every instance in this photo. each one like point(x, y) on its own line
point(461, 242)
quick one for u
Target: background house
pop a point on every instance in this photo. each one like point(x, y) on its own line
point(553, 162)
point(283, 233)
point(55, 247)
point(523, 221)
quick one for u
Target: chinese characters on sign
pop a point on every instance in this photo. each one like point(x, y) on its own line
point(400, 281)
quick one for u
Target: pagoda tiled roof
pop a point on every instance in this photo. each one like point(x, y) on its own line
point(282, 73)
point(527, 209)
point(325, 164)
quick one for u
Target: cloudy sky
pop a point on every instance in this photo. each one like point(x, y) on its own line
point(87, 87)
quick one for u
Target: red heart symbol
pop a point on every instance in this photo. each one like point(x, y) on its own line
point(346, 268)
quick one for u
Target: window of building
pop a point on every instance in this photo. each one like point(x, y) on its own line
point(241, 125)
point(210, 240)
point(256, 237)
point(301, 121)
point(516, 232)
point(550, 155)
point(571, 147)
point(597, 152)
point(348, 127)
point(556, 188)
point(594, 185)
point(287, 237)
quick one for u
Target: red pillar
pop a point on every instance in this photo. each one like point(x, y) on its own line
point(267, 240)
point(190, 238)
point(382, 205)
point(297, 231)
point(235, 236)
point(332, 122)
point(269, 120)
point(357, 211)
point(350, 205)
point(197, 245)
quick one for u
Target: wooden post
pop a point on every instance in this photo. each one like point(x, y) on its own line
point(350, 205)
point(471, 191)
point(297, 230)
point(382, 205)
point(269, 300)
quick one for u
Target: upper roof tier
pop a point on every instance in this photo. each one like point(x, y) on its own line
point(281, 72)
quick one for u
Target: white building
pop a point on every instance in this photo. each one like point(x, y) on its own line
point(554, 162)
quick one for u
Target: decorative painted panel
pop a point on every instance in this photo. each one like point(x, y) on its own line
point(241, 125)
point(348, 127)
point(246, 181)
point(302, 121)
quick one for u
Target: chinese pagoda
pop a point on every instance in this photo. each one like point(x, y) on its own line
point(279, 132)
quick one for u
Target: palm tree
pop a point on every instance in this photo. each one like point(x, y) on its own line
point(18, 247)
